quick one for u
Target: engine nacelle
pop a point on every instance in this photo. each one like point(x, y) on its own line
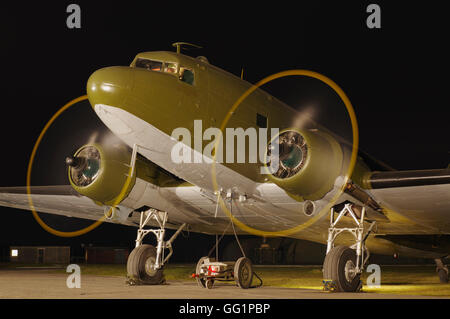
point(308, 163)
point(100, 172)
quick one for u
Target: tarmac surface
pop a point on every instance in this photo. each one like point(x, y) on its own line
point(45, 284)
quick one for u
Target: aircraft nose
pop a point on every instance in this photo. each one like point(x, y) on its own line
point(109, 86)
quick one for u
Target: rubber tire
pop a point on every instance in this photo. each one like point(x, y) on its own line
point(201, 282)
point(136, 266)
point(209, 283)
point(443, 276)
point(334, 269)
point(242, 266)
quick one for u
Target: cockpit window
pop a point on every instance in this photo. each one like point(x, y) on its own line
point(187, 75)
point(170, 67)
point(166, 67)
point(148, 64)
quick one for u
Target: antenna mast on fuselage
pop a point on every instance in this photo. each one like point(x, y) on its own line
point(178, 45)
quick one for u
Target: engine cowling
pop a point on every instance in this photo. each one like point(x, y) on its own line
point(100, 172)
point(308, 161)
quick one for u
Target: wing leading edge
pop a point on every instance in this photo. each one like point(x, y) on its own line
point(59, 200)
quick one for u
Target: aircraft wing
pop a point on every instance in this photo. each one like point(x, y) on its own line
point(414, 202)
point(65, 201)
point(419, 197)
point(58, 200)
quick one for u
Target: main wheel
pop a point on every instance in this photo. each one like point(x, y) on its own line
point(140, 266)
point(200, 281)
point(243, 272)
point(340, 267)
point(443, 276)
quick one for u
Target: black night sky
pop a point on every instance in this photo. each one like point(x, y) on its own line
point(396, 78)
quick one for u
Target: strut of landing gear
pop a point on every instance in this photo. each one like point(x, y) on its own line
point(343, 265)
point(442, 271)
point(144, 265)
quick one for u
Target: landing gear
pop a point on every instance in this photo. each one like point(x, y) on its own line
point(340, 267)
point(442, 271)
point(144, 265)
point(141, 266)
point(343, 265)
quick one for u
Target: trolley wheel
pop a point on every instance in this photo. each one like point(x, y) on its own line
point(200, 281)
point(243, 272)
point(140, 266)
point(339, 268)
point(209, 283)
point(443, 276)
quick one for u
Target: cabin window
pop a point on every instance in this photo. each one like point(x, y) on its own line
point(261, 120)
point(187, 75)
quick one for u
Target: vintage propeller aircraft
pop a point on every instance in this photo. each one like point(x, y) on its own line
point(376, 209)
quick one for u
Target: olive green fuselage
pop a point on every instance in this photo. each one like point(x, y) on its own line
point(166, 102)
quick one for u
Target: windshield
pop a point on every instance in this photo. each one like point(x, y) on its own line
point(167, 67)
point(148, 64)
point(170, 67)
